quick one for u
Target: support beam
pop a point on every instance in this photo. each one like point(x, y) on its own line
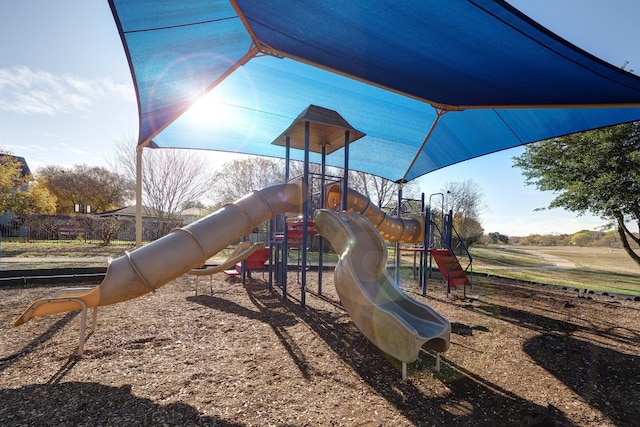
point(139, 196)
point(439, 114)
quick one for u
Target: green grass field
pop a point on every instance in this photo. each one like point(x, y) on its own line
point(61, 248)
point(21, 254)
point(597, 269)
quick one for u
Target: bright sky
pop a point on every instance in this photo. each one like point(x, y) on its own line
point(66, 95)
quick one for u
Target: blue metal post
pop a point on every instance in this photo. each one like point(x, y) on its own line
point(305, 214)
point(427, 244)
point(323, 171)
point(285, 232)
point(422, 271)
point(345, 182)
point(397, 245)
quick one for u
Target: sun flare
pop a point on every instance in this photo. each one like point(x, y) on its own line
point(210, 109)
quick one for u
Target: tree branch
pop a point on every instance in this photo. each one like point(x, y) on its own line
point(624, 234)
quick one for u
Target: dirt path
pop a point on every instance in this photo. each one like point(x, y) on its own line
point(559, 263)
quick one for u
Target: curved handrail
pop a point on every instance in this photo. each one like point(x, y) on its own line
point(240, 253)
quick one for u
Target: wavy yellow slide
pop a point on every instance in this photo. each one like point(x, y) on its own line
point(387, 316)
point(183, 249)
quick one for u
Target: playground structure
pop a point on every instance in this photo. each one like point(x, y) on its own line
point(387, 316)
point(421, 234)
point(393, 321)
point(243, 251)
point(182, 250)
point(255, 261)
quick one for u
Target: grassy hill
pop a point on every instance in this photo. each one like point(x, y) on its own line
point(592, 268)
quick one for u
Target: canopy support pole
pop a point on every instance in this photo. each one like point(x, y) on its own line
point(439, 114)
point(398, 255)
point(139, 196)
point(253, 51)
point(323, 172)
point(345, 181)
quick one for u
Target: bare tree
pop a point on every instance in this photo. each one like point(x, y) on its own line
point(465, 199)
point(172, 179)
point(242, 176)
point(382, 192)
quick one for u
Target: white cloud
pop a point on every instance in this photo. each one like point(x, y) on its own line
point(39, 92)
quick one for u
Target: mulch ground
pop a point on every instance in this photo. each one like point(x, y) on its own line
point(241, 355)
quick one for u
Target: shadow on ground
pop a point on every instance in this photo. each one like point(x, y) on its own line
point(92, 404)
point(604, 378)
point(470, 400)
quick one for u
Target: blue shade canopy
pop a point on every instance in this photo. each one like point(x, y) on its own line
point(389, 68)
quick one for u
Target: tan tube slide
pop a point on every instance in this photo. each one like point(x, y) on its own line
point(183, 249)
point(393, 228)
point(388, 317)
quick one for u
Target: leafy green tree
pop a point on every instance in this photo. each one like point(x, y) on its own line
point(495, 238)
point(469, 229)
point(19, 193)
point(12, 180)
point(596, 171)
point(36, 200)
point(95, 186)
point(586, 237)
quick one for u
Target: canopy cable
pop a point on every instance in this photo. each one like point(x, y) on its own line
point(439, 114)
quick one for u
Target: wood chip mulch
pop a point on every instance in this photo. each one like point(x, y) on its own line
point(241, 355)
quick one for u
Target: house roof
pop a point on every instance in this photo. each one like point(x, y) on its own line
point(23, 163)
point(147, 212)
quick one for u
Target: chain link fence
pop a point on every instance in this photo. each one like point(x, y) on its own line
point(86, 227)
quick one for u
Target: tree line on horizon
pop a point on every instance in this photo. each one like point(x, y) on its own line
point(583, 238)
point(596, 171)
